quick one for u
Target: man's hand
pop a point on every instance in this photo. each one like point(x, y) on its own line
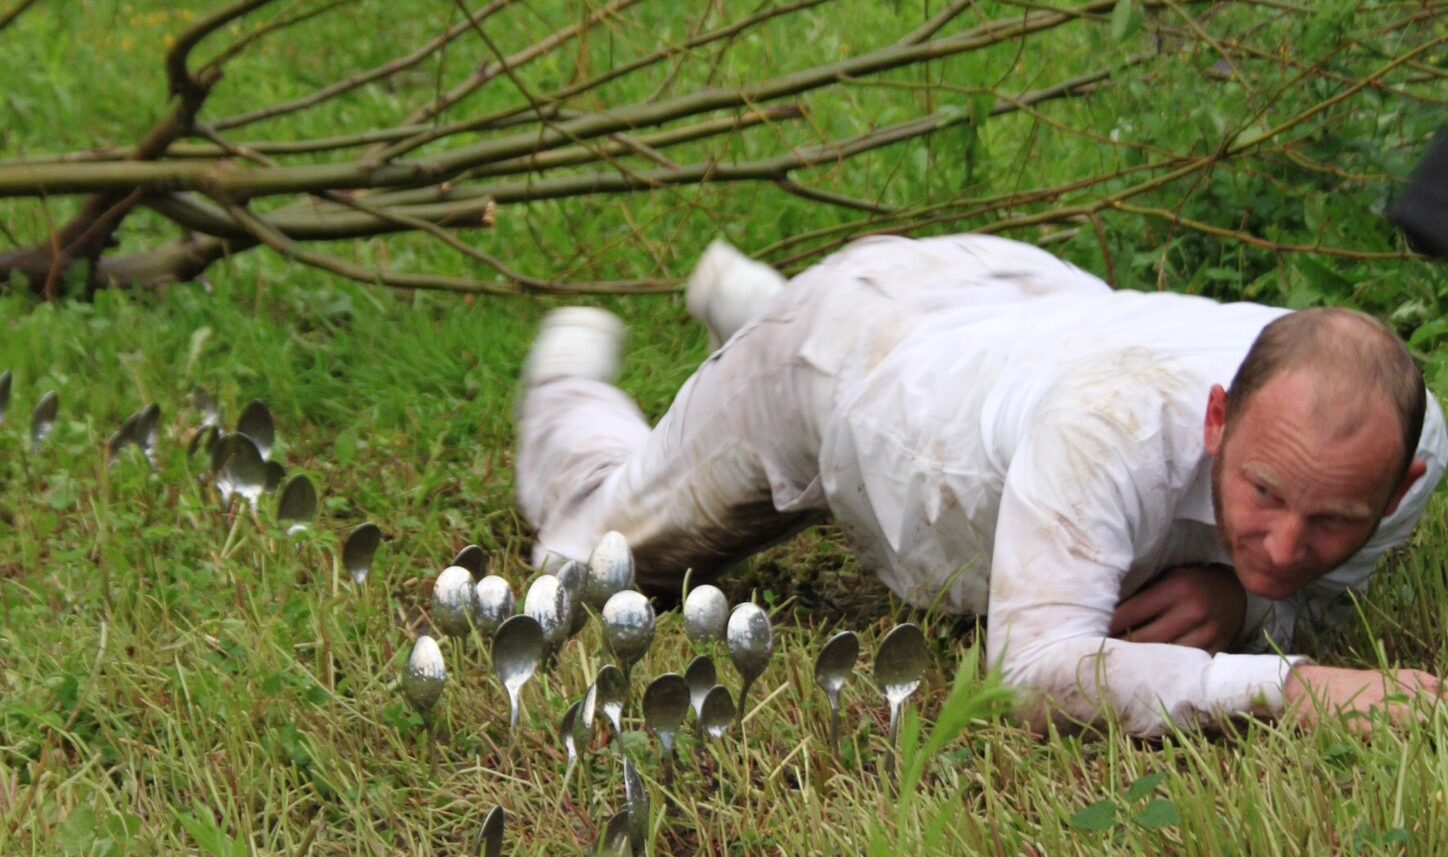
point(1202, 606)
point(1313, 691)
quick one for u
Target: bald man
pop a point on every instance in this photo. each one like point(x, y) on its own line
point(1145, 493)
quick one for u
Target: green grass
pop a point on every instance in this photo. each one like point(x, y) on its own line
point(162, 694)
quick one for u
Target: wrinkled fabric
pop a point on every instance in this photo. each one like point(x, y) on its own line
point(996, 432)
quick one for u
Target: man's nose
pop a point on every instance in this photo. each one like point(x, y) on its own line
point(1284, 540)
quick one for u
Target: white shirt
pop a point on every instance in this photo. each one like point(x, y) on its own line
point(996, 431)
point(1041, 460)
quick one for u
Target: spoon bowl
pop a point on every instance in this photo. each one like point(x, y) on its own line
point(244, 472)
point(751, 641)
point(256, 423)
point(717, 712)
point(701, 677)
point(547, 602)
point(517, 649)
point(574, 577)
point(358, 550)
point(628, 627)
point(493, 603)
point(899, 668)
point(706, 614)
point(297, 507)
point(452, 601)
point(832, 669)
point(610, 570)
point(425, 675)
point(490, 837)
point(42, 421)
point(666, 701)
point(473, 559)
point(611, 690)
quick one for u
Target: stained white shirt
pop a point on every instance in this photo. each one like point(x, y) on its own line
point(997, 433)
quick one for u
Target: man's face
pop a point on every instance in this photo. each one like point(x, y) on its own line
point(1297, 488)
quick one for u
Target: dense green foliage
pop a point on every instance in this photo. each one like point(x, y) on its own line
point(170, 683)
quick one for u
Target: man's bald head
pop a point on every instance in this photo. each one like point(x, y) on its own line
point(1356, 361)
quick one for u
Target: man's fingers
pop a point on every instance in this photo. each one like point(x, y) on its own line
point(1201, 637)
point(1167, 627)
point(1138, 610)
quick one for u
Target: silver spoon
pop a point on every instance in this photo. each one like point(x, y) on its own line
point(256, 423)
point(244, 472)
point(148, 427)
point(706, 614)
point(43, 420)
point(5, 379)
point(298, 504)
point(493, 603)
point(610, 570)
point(423, 680)
point(717, 712)
point(666, 701)
point(574, 577)
point(832, 669)
point(124, 436)
point(637, 800)
point(422, 683)
point(547, 602)
point(517, 649)
point(577, 727)
point(490, 838)
point(628, 627)
point(358, 550)
point(566, 730)
point(899, 668)
point(751, 640)
point(614, 838)
point(452, 601)
point(473, 559)
point(275, 475)
point(611, 688)
point(700, 676)
point(206, 404)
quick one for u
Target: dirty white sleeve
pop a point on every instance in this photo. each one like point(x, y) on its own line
point(1078, 493)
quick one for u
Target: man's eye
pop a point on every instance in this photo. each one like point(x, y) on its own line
point(1261, 491)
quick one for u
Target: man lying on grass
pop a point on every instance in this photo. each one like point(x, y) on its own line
point(1145, 493)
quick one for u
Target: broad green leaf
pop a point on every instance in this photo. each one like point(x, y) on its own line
point(1159, 813)
point(1144, 786)
point(1126, 19)
point(1099, 816)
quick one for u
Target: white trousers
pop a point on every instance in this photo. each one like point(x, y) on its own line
point(735, 465)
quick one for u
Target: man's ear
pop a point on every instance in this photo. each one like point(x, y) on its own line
point(1415, 472)
point(1214, 427)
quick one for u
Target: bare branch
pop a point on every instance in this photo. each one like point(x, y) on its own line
point(360, 79)
point(1252, 240)
point(246, 184)
point(8, 17)
point(491, 70)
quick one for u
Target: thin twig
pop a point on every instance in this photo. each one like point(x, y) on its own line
point(8, 17)
point(360, 79)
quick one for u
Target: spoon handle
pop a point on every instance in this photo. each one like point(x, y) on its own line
point(835, 731)
point(743, 695)
point(666, 758)
point(895, 708)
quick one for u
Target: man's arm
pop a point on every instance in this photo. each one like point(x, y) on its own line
point(1089, 487)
